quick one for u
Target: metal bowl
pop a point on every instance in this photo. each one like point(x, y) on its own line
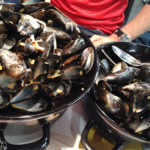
point(107, 126)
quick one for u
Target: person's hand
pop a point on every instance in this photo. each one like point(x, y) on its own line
point(98, 40)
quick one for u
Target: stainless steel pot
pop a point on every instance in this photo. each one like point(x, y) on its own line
point(8, 115)
point(107, 127)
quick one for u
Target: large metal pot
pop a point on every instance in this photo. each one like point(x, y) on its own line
point(107, 127)
point(50, 114)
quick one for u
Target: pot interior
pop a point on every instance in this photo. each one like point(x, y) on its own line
point(102, 111)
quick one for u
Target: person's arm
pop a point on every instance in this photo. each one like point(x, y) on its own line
point(136, 27)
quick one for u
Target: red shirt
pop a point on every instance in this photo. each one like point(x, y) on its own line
point(105, 15)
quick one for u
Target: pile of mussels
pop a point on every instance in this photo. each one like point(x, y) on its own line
point(42, 55)
point(122, 91)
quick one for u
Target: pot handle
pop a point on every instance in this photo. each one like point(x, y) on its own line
point(84, 136)
point(39, 145)
point(145, 146)
point(85, 142)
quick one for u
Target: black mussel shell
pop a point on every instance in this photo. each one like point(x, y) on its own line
point(87, 59)
point(9, 84)
point(36, 104)
point(74, 47)
point(40, 68)
point(27, 92)
point(145, 72)
point(4, 99)
point(72, 72)
point(58, 89)
point(13, 63)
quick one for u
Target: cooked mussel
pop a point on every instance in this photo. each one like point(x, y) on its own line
point(122, 77)
point(119, 66)
point(72, 71)
point(3, 28)
point(60, 19)
point(70, 60)
point(34, 104)
point(54, 63)
point(58, 88)
point(30, 46)
point(8, 84)
point(59, 34)
point(111, 103)
point(33, 7)
point(40, 68)
point(27, 92)
point(137, 89)
point(4, 99)
point(145, 72)
point(28, 25)
point(49, 43)
point(74, 47)
point(6, 7)
point(87, 59)
point(104, 69)
point(143, 125)
point(3, 37)
point(126, 57)
point(13, 64)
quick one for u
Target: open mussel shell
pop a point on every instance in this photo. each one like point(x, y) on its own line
point(58, 88)
point(143, 125)
point(3, 37)
point(4, 99)
point(122, 77)
point(27, 46)
point(6, 43)
point(9, 84)
point(27, 92)
point(3, 28)
point(54, 63)
point(40, 68)
point(9, 44)
point(104, 69)
point(70, 60)
point(87, 59)
point(61, 35)
point(10, 17)
point(140, 103)
point(49, 41)
point(119, 66)
point(56, 16)
point(137, 89)
point(39, 14)
point(126, 57)
point(110, 102)
point(105, 65)
point(33, 7)
point(145, 72)
point(34, 104)
point(6, 7)
point(28, 25)
point(72, 72)
point(74, 47)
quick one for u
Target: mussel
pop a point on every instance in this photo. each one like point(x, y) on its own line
point(111, 103)
point(13, 64)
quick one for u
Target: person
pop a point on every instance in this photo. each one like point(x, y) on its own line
point(93, 16)
point(136, 27)
point(100, 18)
